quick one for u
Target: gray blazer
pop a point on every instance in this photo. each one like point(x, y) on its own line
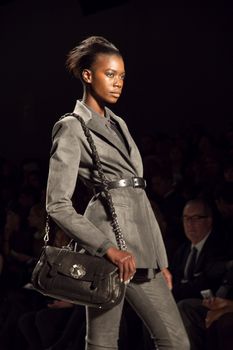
point(70, 158)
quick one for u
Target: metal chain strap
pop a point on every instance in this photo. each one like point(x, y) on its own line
point(47, 229)
point(96, 161)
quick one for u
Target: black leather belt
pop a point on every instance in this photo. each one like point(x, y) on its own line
point(135, 182)
point(145, 275)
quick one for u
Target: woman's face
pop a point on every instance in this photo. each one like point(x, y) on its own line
point(105, 79)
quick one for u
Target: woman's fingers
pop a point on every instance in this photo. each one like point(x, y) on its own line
point(168, 277)
point(125, 262)
point(127, 267)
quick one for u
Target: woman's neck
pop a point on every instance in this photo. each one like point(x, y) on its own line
point(91, 102)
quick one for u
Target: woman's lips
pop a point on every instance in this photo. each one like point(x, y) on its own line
point(115, 94)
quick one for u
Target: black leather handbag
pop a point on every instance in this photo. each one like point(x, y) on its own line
point(66, 274)
point(77, 277)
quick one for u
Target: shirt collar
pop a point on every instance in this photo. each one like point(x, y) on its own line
point(200, 244)
point(102, 119)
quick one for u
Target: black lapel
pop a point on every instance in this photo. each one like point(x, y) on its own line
point(133, 154)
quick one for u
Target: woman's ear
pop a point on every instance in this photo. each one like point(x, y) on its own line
point(87, 76)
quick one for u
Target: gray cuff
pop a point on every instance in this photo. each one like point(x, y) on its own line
point(103, 248)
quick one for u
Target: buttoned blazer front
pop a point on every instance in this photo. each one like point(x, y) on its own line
point(71, 158)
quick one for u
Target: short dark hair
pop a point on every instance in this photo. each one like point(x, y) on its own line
point(207, 206)
point(82, 56)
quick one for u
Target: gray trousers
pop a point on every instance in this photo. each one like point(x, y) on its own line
point(154, 304)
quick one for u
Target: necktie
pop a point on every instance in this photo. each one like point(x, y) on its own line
point(191, 262)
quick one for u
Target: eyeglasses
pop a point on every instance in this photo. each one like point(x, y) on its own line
point(194, 218)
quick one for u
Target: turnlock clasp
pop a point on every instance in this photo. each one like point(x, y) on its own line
point(77, 271)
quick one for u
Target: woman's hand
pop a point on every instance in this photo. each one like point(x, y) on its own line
point(168, 277)
point(125, 262)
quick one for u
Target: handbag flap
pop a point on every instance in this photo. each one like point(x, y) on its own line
point(77, 265)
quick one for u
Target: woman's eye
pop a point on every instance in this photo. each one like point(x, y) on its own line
point(110, 74)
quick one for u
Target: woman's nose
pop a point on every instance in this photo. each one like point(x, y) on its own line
point(118, 82)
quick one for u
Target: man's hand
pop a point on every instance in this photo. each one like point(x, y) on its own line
point(217, 303)
point(217, 307)
point(213, 315)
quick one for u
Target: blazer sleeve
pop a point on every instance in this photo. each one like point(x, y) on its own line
point(62, 178)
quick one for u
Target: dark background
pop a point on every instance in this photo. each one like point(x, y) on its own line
point(178, 59)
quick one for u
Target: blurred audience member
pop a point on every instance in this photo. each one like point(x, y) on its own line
point(224, 204)
point(61, 325)
point(211, 329)
point(219, 324)
point(17, 249)
point(23, 298)
point(192, 260)
point(228, 170)
point(147, 145)
point(170, 203)
point(36, 221)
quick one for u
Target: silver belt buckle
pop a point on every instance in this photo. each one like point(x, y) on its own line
point(135, 181)
point(122, 182)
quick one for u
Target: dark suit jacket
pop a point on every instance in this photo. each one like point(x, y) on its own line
point(212, 251)
point(71, 158)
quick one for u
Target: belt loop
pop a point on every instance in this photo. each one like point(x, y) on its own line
point(134, 181)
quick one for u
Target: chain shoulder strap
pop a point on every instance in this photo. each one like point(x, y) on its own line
point(96, 160)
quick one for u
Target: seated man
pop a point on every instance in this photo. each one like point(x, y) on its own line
point(209, 322)
point(191, 262)
point(219, 324)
